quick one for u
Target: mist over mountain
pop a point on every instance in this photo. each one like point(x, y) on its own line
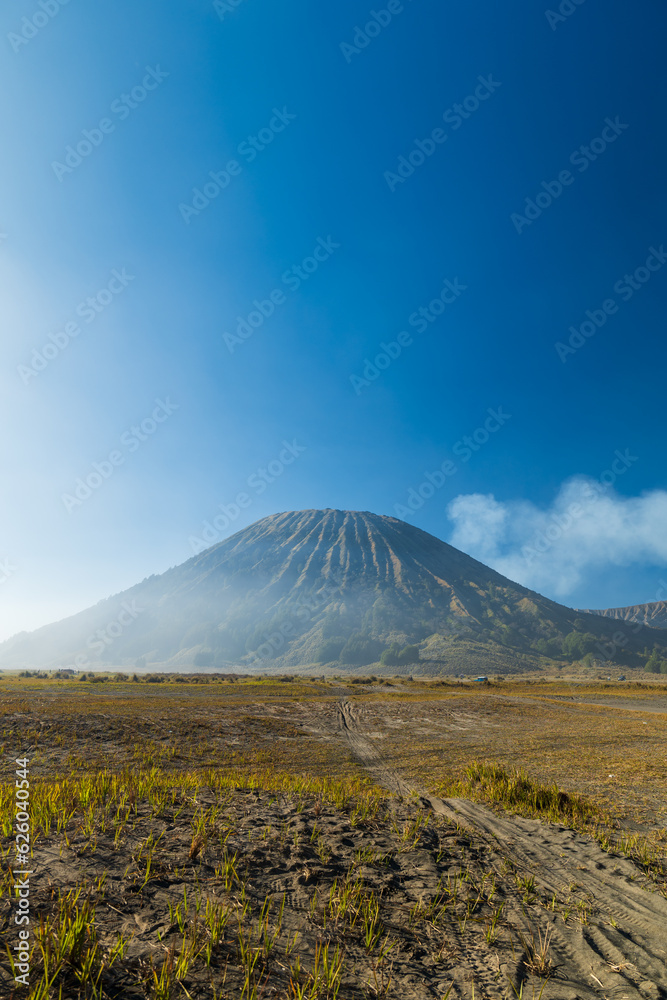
point(329, 586)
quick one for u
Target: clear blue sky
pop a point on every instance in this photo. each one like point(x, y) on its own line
point(304, 120)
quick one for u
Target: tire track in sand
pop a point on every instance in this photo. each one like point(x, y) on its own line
point(558, 858)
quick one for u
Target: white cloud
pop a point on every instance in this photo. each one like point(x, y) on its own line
point(588, 527)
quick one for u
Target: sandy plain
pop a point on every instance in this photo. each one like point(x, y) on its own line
point(322, 838)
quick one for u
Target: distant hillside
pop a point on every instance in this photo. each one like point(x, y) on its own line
point(320, 586)
point(654, 614)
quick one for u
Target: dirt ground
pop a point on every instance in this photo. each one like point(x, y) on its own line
point(310, 839)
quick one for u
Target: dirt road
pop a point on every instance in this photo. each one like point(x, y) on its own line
point(619, 950)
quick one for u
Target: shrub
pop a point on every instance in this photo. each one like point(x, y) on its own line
point(394, 656)
point(330, 650)
point(390, 656)
point(359, 650)
point(655, 664)
point(548, 647)
point(577, 644)
point(521, 793)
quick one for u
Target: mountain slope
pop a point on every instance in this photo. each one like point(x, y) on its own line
point(308, 586)
point(654, 614)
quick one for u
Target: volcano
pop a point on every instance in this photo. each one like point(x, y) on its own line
point(328, 587)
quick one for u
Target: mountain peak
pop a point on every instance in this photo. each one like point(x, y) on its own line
point(299, 585)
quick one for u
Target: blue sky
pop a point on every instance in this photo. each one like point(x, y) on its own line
point(115, 119)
